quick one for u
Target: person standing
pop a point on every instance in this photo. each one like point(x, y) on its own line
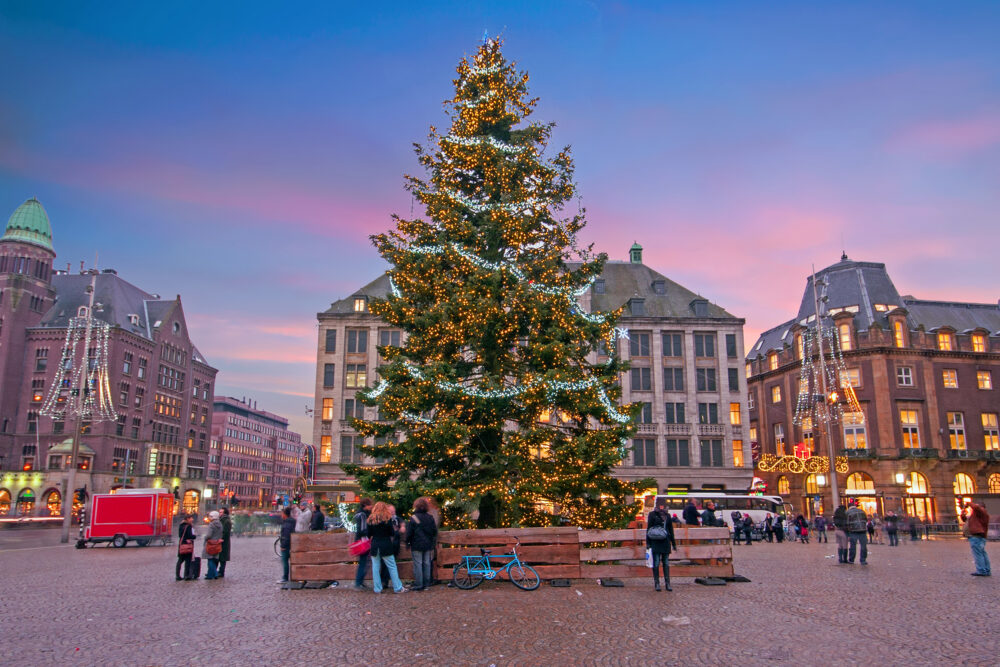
point(659, 539)
point(857, 532)
point(737, 520)
point(361, 530)
point(690, 514)
point(840, 532)
point(769, 528)
point(820, 523)
point(382, 532)
point(302, 522)
point(318, 520)
point(212, 547)
point(285, 542)
point(185, 548)
point(227, 538)
point(748, 529)
point(779, 528)
point(977, 523)
point(421, 534)
point(892, 529)
point(708, 516)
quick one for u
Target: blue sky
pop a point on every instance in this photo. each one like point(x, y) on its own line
point(240, 154)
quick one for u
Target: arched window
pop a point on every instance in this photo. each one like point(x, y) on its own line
point(190, 504)
point(993, 484)
point(964, 485)
point(812, 485)
point(917, 484)
point(53, 502)
point(25, 502)
point(860, 481)
point(783, 489)
point(5, 499)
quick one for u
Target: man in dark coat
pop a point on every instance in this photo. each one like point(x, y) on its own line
point(285, 541)
point(227, 538)
point(421, 534)
point(318, 521)
point(660, 547)
point(361, 530)
point(691, 514)
point(708, 516)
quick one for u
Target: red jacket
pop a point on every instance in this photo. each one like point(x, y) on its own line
point(979, 521)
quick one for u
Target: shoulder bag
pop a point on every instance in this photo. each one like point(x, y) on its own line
point(213, 547)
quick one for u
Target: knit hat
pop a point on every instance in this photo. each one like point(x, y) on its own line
point(213, 515)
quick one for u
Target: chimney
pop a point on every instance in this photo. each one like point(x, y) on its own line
point(81, 267)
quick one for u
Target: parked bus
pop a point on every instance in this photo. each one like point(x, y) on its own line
point(758, 507)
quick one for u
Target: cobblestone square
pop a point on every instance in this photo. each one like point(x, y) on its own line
point(915, 604)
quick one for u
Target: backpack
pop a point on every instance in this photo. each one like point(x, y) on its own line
point(360, 524)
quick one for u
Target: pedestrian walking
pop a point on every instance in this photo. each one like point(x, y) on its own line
point(318, 520)
point(977, 523)
point(892, 528)
point(227, 538)
point(659, 539)
point(769, 528)
point(185, 548)
point(303, 521)
point(737, 518)
point(820, 524)
point(421, 535)
point(361, 530)
point(802, 529)
point(212, 547)
point(382, 531)
point(690, 514)
point(840, 532)
point(913, 526)
point(870, 527)
point(857, 524)
point(779, 528)
point(748, 529)
point(285, 542)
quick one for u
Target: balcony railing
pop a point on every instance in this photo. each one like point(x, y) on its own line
point(858, 453)
point(992, 455)
point(918, 453)
point(711, 429)
point(646, 428)
point(677, 429)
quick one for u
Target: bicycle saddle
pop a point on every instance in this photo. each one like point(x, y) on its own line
point(484, 552)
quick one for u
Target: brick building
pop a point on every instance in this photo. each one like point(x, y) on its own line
point(685, 354)
point(254, 459)
point(160, 383)
point(924, 373)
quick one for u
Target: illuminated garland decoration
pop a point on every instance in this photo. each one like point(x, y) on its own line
point(793, 464)
point(472, 104)
point(485, 140)
point(345, 518)
point(527, 207)
point(842, 403)
point(492, 69)
point(84, 373)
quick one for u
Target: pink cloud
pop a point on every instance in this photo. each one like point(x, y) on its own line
point(959, 136)
point(245, 337)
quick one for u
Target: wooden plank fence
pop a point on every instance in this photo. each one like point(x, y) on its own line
point(556, 553)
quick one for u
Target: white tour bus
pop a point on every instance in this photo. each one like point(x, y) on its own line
point(758, 507)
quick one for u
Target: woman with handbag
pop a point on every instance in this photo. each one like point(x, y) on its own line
point(185, 548)
point(659, 539)
point(213, 546)
point(382, 531)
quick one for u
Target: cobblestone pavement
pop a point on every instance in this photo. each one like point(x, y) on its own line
point(915, 604)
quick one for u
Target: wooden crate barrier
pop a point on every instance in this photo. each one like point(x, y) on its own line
point(556, 553)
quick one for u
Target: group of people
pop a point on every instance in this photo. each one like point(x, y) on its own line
point(297, 518)
point(379, 524)
point(215, 549)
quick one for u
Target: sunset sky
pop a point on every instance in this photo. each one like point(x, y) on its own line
point(240, 154)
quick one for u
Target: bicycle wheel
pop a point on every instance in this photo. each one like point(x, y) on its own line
point(523, 576)
point(463, 578)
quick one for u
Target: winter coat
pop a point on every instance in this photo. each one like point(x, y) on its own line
point(840, 518)
point(857, 520)
point(421, 532)
point(287, 528)
point(708, 517)
point(691, 515)
point(214, 533)
point(361, 524)
point(820, 523)
point(382, 536)
point(318, 521)
point(658, 518)
point(302, 522)
point(227, 537)
point(185, 533)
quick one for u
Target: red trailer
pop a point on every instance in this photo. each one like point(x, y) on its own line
point(130, 514)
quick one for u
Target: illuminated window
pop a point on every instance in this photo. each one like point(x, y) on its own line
point(738, 453)
point(984, 379)
point(776, 394)
point(854, 432)
point(359, 304)
point(949, 377)
point(956, 430)
point(748, 370)
point(964, 485)
point(812, 485)
point(327, 409)
point(356, 375)
point(904, 376)
point(917, 484)
point(851, 377)
point(993, 484)
point(753, 433)
point(772, 361)
point(944, 341)
point(908, 420)
point(783, 486)
point(735, 414)
point(845, 336)
point(991, 434)
point(798, 346)
point(860, 481)
point(779, 439)
point(898, 333)
point(978, 343)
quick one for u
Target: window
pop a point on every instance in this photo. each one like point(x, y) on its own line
point(127, 364)
point(904, 376)
point(141, 373)
point(978, 343)
point(644, 452)
point(641, 380)
point(908, 421)
point(599, 286)
point(776, 394)
point(137, 398)
point(674, 413)
point(750, 401)
point(357, 341)
point(851, 378)
point(638, 344)
point(678, 453)
point(734, 379)
point(672, 344)
point(731, 346)
point(637, 307)
point(738, 453)
point(705, 379)
point(325, 448)
point(329, 372)
point(898, 333)
point(991, 436)
point(854, 433)
point(41, 359)
point(949, 377)
point(984, 379)
point(359, 304)
point(749, 370)
point(356, 375)
point(964, 485)
point(350, 451)
point(353, 408)
point(708, 413)
point(772, 361)
point(944, 341)
point(704, 344)
point(645, 413)
point(711, 453)
point(779, 439)
point(956, 430)
point(846, 342)
point(993, 483)
point(327, 409)
point(783, 487)
point(331, 340)
point(388, 337)
point(860, 481)
point(917, 483)
point(735, 414)
point(812, 485)
point(673, 379)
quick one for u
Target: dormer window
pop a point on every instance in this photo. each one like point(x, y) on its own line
point(660, 287)
point(359, 304)
point(82, 311)
point(700, 307)
point(133, 319)
point(599, 286)
point(637, 307)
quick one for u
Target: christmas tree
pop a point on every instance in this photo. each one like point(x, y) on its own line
point(502, 413)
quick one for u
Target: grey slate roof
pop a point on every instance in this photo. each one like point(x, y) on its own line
point(622, 281)
point(963, 317)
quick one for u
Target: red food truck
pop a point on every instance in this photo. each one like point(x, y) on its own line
point(130, 514)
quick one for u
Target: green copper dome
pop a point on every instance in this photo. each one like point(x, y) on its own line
point(30, 224)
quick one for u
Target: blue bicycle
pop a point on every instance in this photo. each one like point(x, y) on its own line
point(473, 569)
